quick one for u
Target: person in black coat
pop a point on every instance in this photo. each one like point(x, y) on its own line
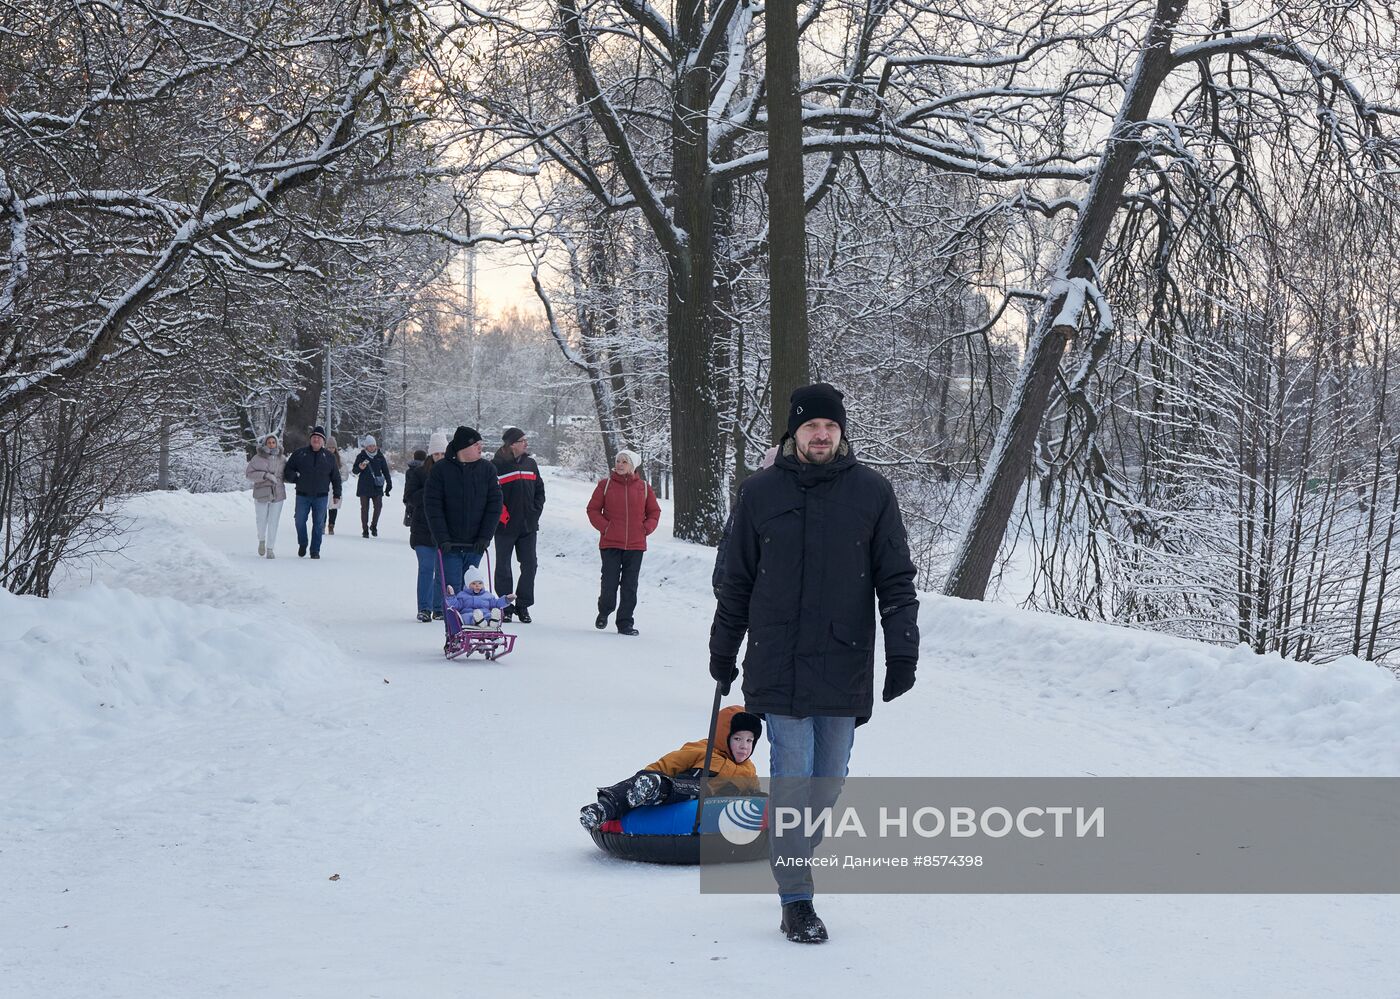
point(419, 457)
point(420, 536)
point(817, 542)
point(522, 492)
point(372, 469)
point(462, 504)
point(315, 473)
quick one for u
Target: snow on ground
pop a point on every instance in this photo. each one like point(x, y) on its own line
point(195, 740)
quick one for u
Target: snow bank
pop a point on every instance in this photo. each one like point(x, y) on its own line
point(165, 551)
point(169, 627)
point(1344, 714)
point(110, 660)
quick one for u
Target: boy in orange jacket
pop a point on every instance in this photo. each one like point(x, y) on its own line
point(676, 776)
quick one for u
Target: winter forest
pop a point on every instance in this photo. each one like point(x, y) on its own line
point(1108, 284)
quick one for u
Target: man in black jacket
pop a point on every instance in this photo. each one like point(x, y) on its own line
point(462, 504)
point(817, 540)
point(522, 491)
point(316, 475)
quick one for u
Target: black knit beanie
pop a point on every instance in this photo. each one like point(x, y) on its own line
point(464, 438)
point(816, 402)
point(745, 722)
point(512, 435)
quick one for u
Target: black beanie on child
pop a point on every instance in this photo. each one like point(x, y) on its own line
point(743, 721)
point(816, 402)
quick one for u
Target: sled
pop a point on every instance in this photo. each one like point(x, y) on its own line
point(487, 639)
point(733, 829)
point(466, 640)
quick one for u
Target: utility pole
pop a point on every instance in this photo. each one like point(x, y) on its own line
point(330, 428)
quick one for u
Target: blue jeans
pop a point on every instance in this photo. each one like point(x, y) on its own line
point(429, 587)
point(316, 506)
point(808, 761)
point(454, 567)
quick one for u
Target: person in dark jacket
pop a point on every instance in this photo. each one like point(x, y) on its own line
point(372, 469)
point(316, 474)
point(333, 450)
point(462, 504)
point(420, 537)
point(817, 541)
point(624, 510)
point(522, 492)
point(416, 461)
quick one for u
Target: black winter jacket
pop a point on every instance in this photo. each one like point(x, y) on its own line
point(462, 502)
point(377, 464)
point(522, 491)
point(414, 480)
point(811, 550)
point(315, 473)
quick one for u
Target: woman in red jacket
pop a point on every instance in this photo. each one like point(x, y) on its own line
point(625, 511)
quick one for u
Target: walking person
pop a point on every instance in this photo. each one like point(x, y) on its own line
point(625, 511)
point(462, 504)
point(376, 482)
point(522, 492)
point(816, 541)
point(334, 508)
point(419, 457)
point(269, 491)
point(420, 536)
point(316, 474)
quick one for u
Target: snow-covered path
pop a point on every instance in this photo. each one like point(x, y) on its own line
point(181, 842)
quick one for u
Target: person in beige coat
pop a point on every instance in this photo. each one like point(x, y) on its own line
point(269, 491)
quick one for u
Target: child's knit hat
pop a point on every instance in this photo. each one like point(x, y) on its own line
point(746, 722)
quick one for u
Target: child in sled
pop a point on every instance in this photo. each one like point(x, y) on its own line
point(478, 608)
point(676, 776)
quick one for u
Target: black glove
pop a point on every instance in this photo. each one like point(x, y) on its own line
point(388, 491)
point(899, 677)
point(479, 548)
point(724, 672)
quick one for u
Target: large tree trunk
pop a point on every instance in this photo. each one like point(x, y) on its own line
point(695, 438)
point(304, 405)
point(787, 214)
point(1025, 411)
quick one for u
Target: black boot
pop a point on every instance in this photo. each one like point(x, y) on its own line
point(603, 810)
point(601, 622)
point(522, 614)
point(646, 788)
point(802, 924)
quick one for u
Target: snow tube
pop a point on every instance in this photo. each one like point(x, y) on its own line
point(733, 828)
